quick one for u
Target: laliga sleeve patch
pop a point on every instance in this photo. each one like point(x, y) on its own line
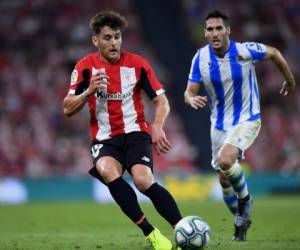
point(257, 50)
point(74, 77)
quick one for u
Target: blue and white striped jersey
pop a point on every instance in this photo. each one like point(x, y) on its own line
point(230, 82)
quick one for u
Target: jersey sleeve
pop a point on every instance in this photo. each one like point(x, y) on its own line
point(79, 79)
point(257, 50)
point(149, 82)
point(195, 75)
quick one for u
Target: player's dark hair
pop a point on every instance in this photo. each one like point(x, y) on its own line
point(107, 18)
point(218, 14)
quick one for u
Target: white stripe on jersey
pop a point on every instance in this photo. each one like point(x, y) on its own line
point(230, 82)
point(102, 116)
point(103, 119)
point(159, 92)
point(225, 71)
point(128, 82)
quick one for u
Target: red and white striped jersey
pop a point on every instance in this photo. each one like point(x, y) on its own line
point(119, 110)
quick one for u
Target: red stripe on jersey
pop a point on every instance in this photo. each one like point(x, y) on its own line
point(115, 106)
point(93, 120)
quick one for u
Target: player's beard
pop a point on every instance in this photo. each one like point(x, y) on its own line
point(221, 46)
point(114, 55)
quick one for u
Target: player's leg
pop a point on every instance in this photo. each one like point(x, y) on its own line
point(227, 160)
point(107, 168)
point(231, 169)
point(229, 195)
point(139, 162)
point(239, 139)
point(162, 201)
point(123, 194)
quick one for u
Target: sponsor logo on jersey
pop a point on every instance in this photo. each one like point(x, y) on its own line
point(115, 96)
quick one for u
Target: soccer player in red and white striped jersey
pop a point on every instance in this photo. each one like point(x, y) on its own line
point(113, 82)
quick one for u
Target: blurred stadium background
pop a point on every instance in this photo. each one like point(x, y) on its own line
point(45, 156)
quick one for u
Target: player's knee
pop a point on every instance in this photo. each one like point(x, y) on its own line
point(225, 161)
point(107, 172)
point(142, 177)
point(142, 182)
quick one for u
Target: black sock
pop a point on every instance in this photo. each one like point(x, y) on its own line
point(126, 198)
point(164, 203)
point(146, 227)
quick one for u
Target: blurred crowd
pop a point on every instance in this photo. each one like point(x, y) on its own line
point(40, 41)
point(39, 46)
point(275, 23)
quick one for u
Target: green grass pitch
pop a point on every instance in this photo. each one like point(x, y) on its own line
point(84, 225)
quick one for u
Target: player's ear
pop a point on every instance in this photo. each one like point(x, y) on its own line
point(228, 30)
point(95, 41)
point(204, 30)
point(205, 33)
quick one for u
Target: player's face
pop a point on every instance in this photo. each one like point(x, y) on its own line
point(217, 34)
point(109, 41)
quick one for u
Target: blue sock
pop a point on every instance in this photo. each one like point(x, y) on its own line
point(230, 198)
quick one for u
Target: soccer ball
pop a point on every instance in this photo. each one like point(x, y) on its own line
point(192, 232)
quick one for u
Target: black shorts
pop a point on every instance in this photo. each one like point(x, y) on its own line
point(128, 149)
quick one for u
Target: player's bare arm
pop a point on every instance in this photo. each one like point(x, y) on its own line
point(74, 103)
point(192, 98)
point(289, 84)
point(159, 139)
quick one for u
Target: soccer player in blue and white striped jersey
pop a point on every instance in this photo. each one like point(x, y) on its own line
point(225, 68)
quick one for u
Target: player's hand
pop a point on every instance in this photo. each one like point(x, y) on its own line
point(287, 87)
point(159, 139)
point(198, 101)
point(98, 82)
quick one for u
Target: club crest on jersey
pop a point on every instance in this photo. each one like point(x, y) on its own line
point(240, 58)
